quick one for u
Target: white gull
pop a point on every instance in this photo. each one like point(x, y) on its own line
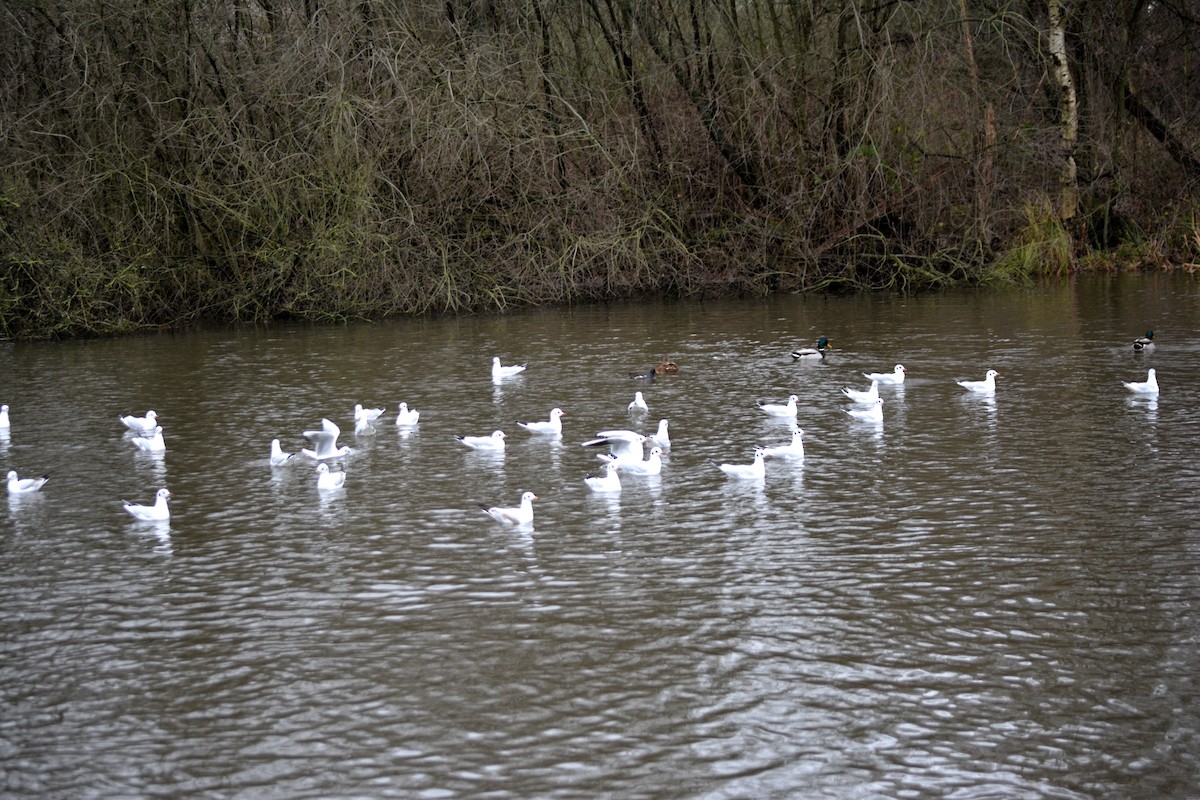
point(325, 442)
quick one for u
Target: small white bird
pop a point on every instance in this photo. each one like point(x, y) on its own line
point(985, 386)
point(493, 442)
point(145, 423)
point(25, 485)
point(661, 437)
point(553, 426)
point(608, 482)
point(325, 442)
point(638, 404)
point(624, 445)
point(895, 376)
point(651, 466)
point(518, 515)
point(4, 423)
point(1148, 386)
point(754, 471)
point(327, 481)
point(777, 410)
point(793, 449)
point(277, 455)
point(366, 414)
point(408, 417)
point(151, 442)
point(499, 372)
point(872, 413)
point(155, 513)
point(869, 396)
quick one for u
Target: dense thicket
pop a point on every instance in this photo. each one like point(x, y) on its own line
point(171, 160)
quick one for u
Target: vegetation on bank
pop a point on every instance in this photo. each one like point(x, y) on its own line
point(167, 161)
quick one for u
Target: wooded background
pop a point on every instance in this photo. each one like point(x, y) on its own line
point(166, 161)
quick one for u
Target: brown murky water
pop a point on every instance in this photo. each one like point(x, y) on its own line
point(978, 597)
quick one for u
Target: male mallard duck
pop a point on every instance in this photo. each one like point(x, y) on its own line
point(666, 367)
point(1144, 342)
point(812, 353)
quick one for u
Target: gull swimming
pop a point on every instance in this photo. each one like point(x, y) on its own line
point(407, 417)
point(325, 442)
point(872, 413)
point(608, 482)
point(780, 410)
point(638, 404)
point(151, 442)
point(1148, 386)
point(985, 386)
point(552, 426)
point(754, 471)
point(494, 441)
point(661, 437)
point(328, 481)
point(145, 423)
point(366, 415)
point(155, 513)
point(4, 423)
point(277, 455)
point(500, 372)
point(25, 485)
point(623, 445)
point(869, 396)
point(517, 515)
point(651, 466)
point(896, 376)
point(793, 449)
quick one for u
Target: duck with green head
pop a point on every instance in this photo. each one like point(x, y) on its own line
point(1144, 342)
point(812, 353)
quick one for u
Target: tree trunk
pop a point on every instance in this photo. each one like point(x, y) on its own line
point(1068, 184)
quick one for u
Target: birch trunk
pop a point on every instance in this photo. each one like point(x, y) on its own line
point(1068, 184)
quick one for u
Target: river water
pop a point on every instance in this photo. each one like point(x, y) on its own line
point(978, 597)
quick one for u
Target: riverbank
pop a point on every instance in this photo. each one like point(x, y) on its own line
point(164, 167)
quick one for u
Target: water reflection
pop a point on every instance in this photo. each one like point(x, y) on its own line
point(926, 607)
